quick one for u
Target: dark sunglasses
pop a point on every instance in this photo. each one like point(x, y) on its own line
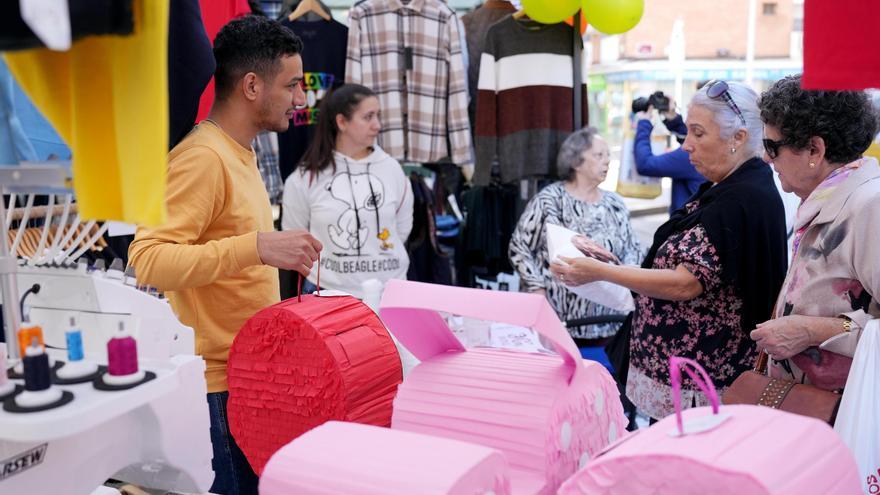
point(772, 147)
point(717, 89)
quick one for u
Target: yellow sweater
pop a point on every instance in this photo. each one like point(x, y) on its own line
point(205, 255)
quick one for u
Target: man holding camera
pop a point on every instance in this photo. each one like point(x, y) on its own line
point(675, 164)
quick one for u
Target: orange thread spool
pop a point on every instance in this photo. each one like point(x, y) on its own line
point(26, 335)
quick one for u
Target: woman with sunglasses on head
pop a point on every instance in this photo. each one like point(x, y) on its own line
point(714, 268)
point(351, 195)
point(815, 141)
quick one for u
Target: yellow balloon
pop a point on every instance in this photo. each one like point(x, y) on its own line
point(550, 11)
point(613, 16)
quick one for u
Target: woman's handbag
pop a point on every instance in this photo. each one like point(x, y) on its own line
point(755, 387)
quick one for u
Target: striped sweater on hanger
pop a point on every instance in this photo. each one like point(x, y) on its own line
point(524, 99)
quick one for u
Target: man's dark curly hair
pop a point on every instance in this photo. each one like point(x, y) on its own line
point(251, 44)
point(845, 120)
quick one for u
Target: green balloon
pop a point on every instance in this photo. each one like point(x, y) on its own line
point(550, 11)
point(613, 16)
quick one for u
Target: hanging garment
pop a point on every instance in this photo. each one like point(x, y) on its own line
point(190, 66)
point(476, 25)
point(108, 98)
point(34, 128)
point(266, 148)
point(840, 45)
point(410, 55)
point(324, 65)
point(491, 216)
point(427, 262)
point(524, 61)
point(87, 18)
point(215, 15)
point(14, 144)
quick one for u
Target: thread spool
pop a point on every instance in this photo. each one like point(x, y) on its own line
point(122, 353)
point(38, 391)
point(6, 387)
point(37, 374)
point(26, 334)
point(76, 367)
point(122, 361)
point(73, 337)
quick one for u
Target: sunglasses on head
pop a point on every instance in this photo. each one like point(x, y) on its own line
point(772, 147)
point(718, 89)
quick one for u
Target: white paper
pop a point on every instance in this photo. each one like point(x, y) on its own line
point(605, 293)
point(49, 20)
point(504, 336)
point(117, 229)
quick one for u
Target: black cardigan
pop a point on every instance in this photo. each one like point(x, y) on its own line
point(745, 220)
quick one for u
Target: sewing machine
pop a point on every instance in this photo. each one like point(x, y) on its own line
point(154, 435)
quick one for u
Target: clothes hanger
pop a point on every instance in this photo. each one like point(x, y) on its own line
point(307, 6)
point(520, 14)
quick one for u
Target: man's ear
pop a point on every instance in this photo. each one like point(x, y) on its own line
point(251, 85)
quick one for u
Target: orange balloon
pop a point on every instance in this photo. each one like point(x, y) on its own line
point(570, 22)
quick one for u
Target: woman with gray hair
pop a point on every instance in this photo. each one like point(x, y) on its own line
point(576, 203)
point(715, 267)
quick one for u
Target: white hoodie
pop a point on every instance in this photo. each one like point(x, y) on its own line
point(333, 205)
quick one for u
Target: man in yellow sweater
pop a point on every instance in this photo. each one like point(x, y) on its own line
point(217, 256)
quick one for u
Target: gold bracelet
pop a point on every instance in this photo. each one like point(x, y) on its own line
point(847, 324)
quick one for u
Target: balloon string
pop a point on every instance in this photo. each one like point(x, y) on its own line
point(318, 290)
point(299, 282)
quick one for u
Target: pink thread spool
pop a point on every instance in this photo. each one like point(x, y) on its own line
point(122, 353)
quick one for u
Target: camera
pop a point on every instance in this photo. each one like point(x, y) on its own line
point(658, 100)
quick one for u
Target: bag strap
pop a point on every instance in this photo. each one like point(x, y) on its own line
point(699, 376)
point(761, 362)
point(299, 282)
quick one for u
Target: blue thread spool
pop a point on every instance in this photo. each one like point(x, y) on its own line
point(74, 342)
point(37, 375)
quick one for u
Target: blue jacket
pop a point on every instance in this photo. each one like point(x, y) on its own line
point(675, 164)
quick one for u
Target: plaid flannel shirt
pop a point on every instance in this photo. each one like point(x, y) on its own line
point(266, 148)
point(424, 109)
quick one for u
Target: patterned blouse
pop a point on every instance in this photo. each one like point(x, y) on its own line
point(706, 329)
point(606, 222)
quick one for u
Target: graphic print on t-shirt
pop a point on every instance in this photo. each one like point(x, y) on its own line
point(363, 194)
point(315, 85)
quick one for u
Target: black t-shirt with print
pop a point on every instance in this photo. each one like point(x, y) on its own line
point(325, 45)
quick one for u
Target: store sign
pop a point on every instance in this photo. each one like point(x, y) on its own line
point(644, 50)
point(23, 461)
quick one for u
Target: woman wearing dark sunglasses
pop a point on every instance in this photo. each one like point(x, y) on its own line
point(715, 267)
point(815, 141)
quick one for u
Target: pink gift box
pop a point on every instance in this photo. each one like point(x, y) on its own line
point(548, 413)
point(339, 458)
point(742, 449)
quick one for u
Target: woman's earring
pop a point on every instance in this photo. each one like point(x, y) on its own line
point(732, 150)
point(812, 165)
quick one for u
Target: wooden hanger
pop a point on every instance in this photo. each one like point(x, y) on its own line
point(520, 14)
point(306, 6)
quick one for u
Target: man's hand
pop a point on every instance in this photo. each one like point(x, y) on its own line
point(293, 250)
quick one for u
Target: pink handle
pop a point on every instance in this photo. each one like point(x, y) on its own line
point(703, 381)
point(410, 310)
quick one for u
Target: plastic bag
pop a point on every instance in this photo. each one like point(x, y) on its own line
point(560, 243)
point(857, 419)
point(630, 182)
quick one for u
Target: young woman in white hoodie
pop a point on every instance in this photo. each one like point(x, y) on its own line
point(351, 195)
